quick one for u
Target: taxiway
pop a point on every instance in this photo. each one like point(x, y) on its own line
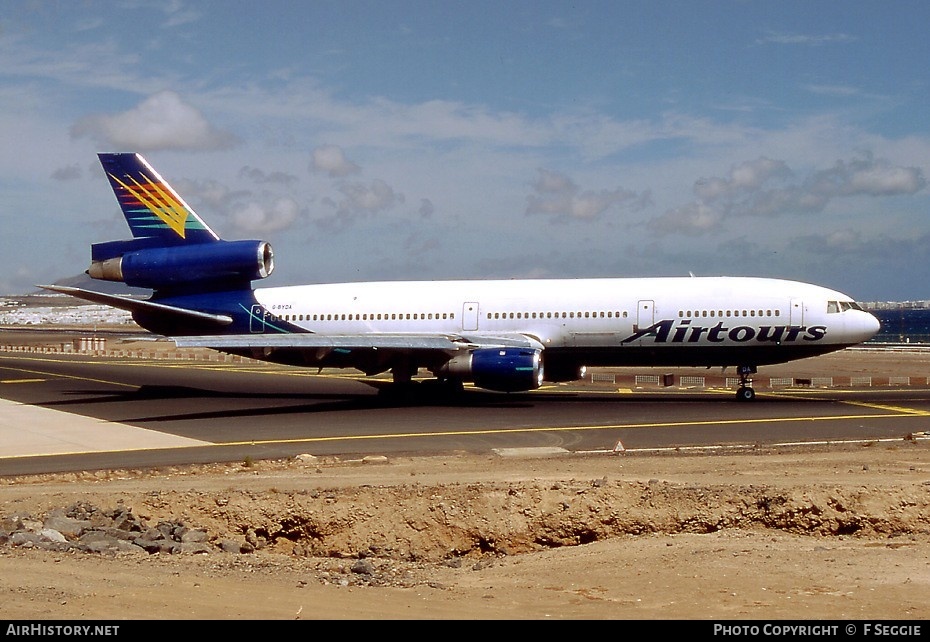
point(83, 412)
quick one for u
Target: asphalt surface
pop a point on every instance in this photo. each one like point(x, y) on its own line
point(73, 412)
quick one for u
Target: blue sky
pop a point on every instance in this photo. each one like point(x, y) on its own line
point(432, 140)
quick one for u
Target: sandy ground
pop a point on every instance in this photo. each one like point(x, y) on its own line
point(820, 534)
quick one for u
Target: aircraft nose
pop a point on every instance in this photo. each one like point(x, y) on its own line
point(869, 326)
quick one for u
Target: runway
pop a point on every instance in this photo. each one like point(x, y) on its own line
point(76, 412)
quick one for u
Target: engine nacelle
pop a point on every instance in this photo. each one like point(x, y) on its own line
point(500, 369)
point(159, 267)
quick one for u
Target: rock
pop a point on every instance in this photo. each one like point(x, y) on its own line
point(69, 527)
point(192, 535)
point(363, 567)
point(52, 535)
point(230, 546)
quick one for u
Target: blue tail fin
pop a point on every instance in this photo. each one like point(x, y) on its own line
point(171, 248)
point(152, 208)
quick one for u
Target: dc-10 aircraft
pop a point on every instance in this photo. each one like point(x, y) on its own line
point(501, 335)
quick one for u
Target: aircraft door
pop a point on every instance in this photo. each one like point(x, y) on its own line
point(796, 313)
point(257, 319)
point(470, 316)
point(645, 314)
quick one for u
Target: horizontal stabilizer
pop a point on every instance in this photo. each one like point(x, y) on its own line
point(138, 305)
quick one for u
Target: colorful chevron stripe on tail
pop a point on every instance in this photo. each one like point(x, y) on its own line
point(151, 207)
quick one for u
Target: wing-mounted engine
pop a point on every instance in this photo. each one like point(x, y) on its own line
point(145, 263)
point(500, 369)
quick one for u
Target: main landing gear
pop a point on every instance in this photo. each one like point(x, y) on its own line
point(745, 391)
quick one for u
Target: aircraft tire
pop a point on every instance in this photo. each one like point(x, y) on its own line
point(745, 394)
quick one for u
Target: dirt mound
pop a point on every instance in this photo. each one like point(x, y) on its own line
point(754, 522)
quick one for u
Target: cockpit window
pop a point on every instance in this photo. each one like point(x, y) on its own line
point(834, 307)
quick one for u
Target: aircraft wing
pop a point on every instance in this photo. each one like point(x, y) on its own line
point(369, 341)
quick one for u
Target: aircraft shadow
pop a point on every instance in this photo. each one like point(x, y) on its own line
point(388, 396)
point(312, 403)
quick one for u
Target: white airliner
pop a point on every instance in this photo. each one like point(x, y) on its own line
point(502, 335)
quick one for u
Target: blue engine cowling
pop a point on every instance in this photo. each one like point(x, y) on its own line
point(160, 267)
point(500, 369)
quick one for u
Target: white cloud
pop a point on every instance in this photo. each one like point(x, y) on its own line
point(359, 200)
point(331, 160)
point(833, 90)
point(691, 219)
point(262, 177)
point(257, 218)
point(760, 188)
point(745, 177)
point(559, 197)
point(365, 199)
point(812, 40)
point(869, 177)
point(162, 121)
point(549, 182)
point(178, 14)
point(211, 193)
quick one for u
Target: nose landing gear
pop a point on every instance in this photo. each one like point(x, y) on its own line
point(745, 391)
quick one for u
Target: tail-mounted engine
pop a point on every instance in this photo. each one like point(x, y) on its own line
point(503, 369)
point(220, 262)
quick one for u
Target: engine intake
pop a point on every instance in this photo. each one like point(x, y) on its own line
point(503, 369)
point(159, 267)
